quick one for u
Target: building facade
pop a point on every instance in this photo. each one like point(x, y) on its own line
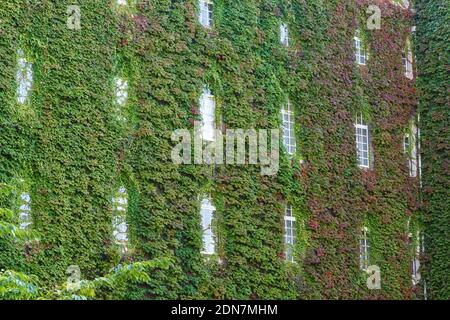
point(432, 47)
point(91, 95)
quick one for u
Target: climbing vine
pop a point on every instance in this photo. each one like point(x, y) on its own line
point(75, 144)
point(432, 49)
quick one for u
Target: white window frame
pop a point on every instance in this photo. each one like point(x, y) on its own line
point(364, 250)
point(362, 142)
point(406, 142)
point(419, 157)
point(205, 16)
point(284, 34)
point(25, 219)
point(288, 128)
point(24, 77)
point(407, 61)
point(207, 211)
point(410, 149)
point(401, 3)
point(119, 220)
point(360, 49)
point(415, 265)
point(208, 113)
point(290, 234)
point(121, 91)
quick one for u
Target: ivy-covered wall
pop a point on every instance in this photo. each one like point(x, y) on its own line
point(341, 198)
point(74, 147)
point(433, 53)
point(13, 132)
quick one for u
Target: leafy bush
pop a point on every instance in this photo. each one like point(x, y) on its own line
point(19, 286)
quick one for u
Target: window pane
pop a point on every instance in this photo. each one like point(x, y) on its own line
point(289, 233)
point(206, 13)
point(207, 215)
point(121, 91)
point(207, 110)
point(25, 211)
point(24, 77)
point(119, 221)
point(288, 128)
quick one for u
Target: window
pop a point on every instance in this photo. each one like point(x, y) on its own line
point(284, 34)
point(406, 143)
point(419, 157)
point(403, 3)
point(415, 265)
point(364, 250)
point(207, 110)
point(289, 233)
point(121, 89)
point(121, 92)
point(422, 243)
point(360, 50)
point(410, 149)
point(288, 127)
point(24, 77)
point(206, 13)
point(25, 211)
point(362, 142)
point(407, 58)
point(119, 222)
point(417, 249)
point(207, 217)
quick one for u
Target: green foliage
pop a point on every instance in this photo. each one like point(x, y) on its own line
point(9, 220)
point(72, 148)
point(7, 227)
point(433, 49)
point(17, 286)
point(112, 286)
